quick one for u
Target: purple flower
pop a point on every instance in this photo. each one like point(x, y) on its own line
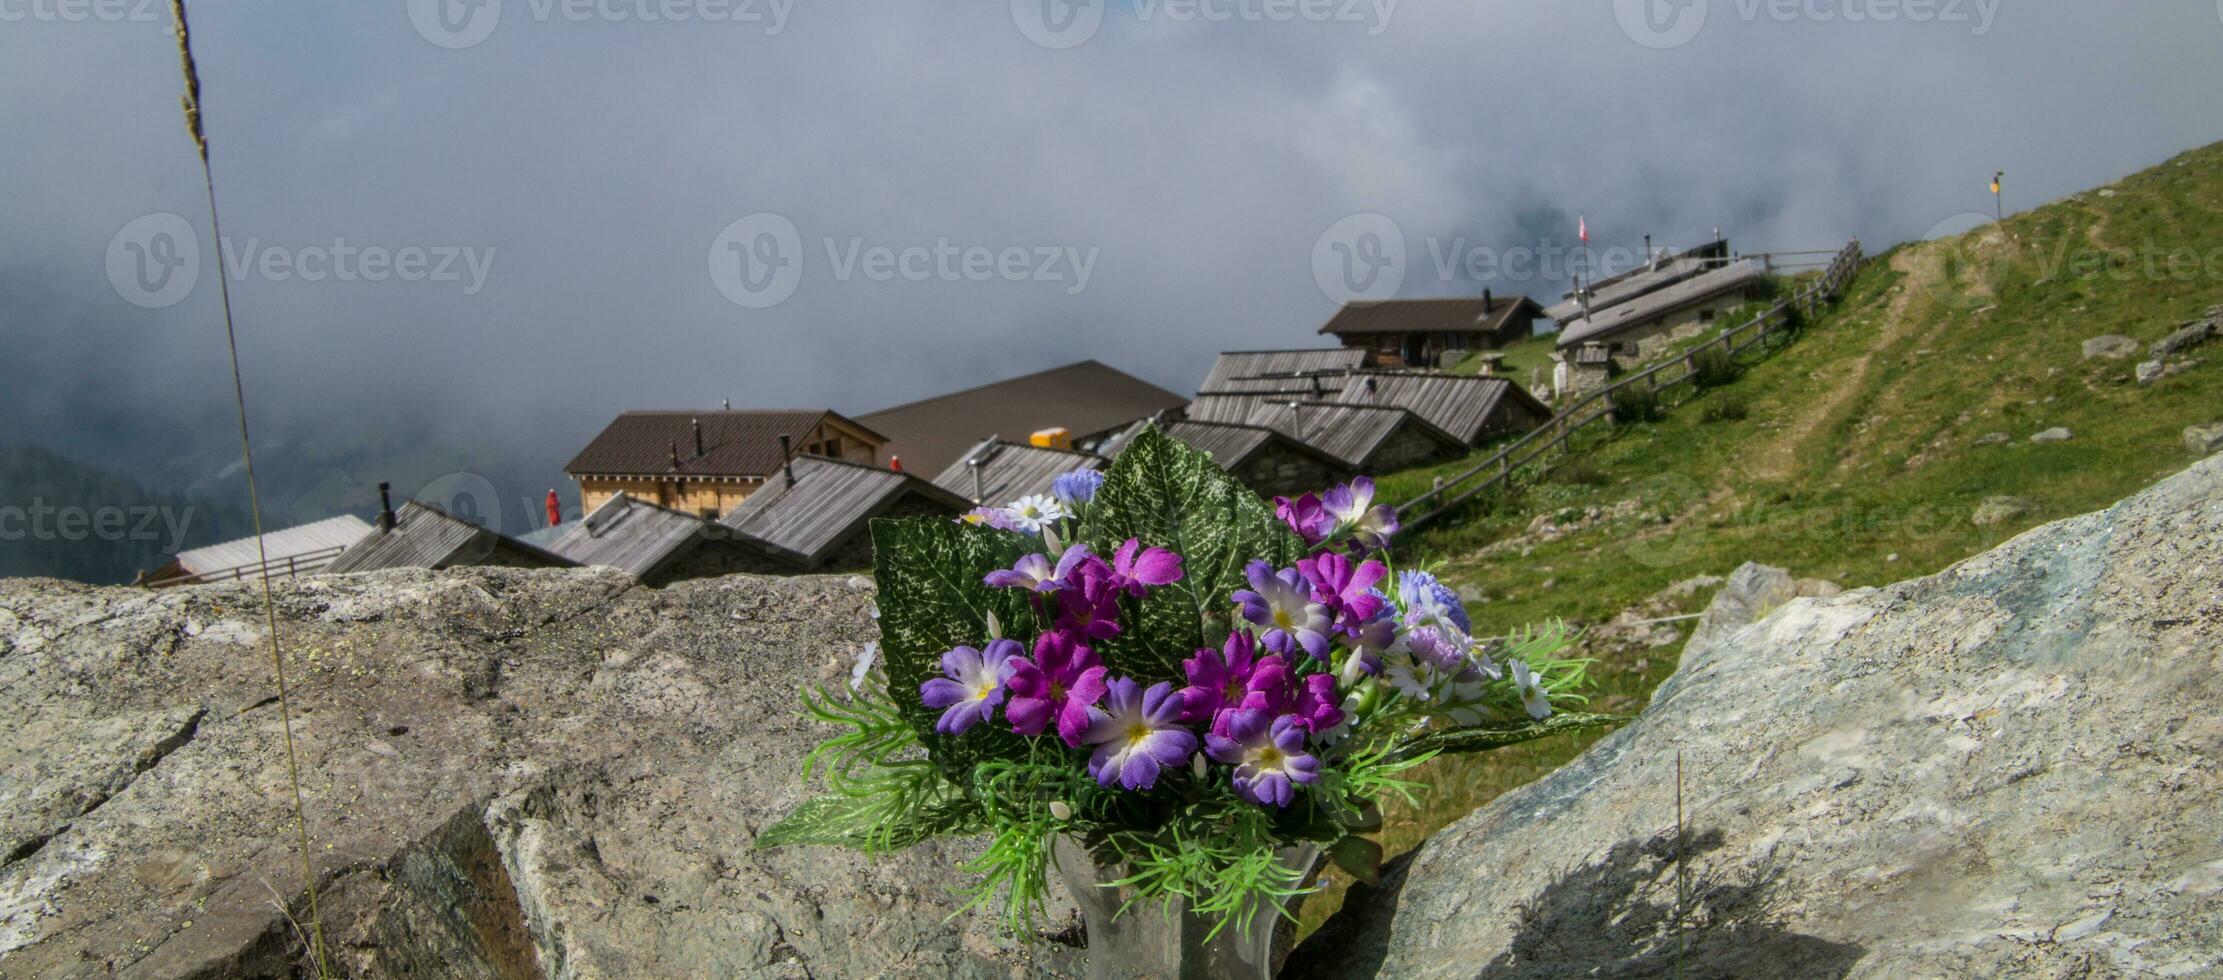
point(1304, 516)
point(995, 517)
point(1268, 755)
point(1351, 507)
point(1034, 574)
point(1076, 487)
point(973, 688)
point(1151, 568)
point(1090, 607)
point(1317, 708)
point(1279, 603)
point(1218, 678)
point(1060, 683)
point(1277, 690)
point(1136, 733)
point(1346, 589)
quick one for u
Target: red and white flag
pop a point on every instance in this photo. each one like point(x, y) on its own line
point(1582, 228)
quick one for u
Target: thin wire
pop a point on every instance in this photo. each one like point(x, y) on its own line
point(191, 103)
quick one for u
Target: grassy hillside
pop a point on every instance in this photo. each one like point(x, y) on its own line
point(1861, 452)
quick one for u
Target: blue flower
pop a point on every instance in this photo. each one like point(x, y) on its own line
point(1077, 487)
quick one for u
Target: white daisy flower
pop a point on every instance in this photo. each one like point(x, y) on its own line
point(1034, 512)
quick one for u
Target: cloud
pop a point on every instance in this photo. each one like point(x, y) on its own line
point(1200, 159)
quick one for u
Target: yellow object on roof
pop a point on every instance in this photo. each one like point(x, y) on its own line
point(1057, 438)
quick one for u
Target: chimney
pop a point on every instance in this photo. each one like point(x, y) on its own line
point(385, 507)
point(696, 424)
point(727, 402)
point(1648, 257)
point(978, 492)
point(787, 457)
point(1489, 299)
point(673, 448)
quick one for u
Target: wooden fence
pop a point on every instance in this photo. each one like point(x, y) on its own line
point(288, 566)
point(1553, 436)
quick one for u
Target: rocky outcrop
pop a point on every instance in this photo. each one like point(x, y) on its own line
point(507, 774)
point(2010, 768)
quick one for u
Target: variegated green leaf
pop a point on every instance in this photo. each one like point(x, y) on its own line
point(932, 599)
point(1171, 496)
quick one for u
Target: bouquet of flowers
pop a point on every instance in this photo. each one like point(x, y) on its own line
point(1157, 665)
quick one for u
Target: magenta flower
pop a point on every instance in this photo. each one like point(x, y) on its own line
point(1277, 690)
point(973, 687)
point(1268, 754)
point(1304, 516)
point(1090, 607)
point(1346, 589)
point(1060, 683)
point(1218, 678)
point(1153, 567)
point(995, 517)
point(1034, 573)
point(1351, 507)
point(1137, 733)
point(1279, 603)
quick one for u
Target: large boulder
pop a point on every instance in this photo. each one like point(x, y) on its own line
point(506, 773)
point(2010, 768)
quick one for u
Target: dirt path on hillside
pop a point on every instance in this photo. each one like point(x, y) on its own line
point(1779, 457)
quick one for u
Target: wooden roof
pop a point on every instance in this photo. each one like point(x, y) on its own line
point(424, 536)
point(1652, 306)
point(1350, 434)
point(632, 536)
point(1089, 398)
point(1464, 314)
point(1277, 370)
point(829, 502)
point(1232, 444)
point(1010, 470)
point(735, 443)
point(280, 545)
point(1459, 404)
point(1629, 286)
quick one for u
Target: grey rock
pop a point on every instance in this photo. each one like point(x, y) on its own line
point(2055, 434)
point(2185, 338)
point(507, 773)
point(2204, 439)
point(1749, 593)
point(2113, 346)
point(2149, 372)
point(1993, 511)
point(2005, 769)
point(1993, 439)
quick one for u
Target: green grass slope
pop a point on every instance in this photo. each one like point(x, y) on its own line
point(1861, 451)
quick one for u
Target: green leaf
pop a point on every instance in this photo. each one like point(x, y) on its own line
point(932, 599)
point(1481, 738)
point(867, 823)
point(1361, 856)
point(1174, 497)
